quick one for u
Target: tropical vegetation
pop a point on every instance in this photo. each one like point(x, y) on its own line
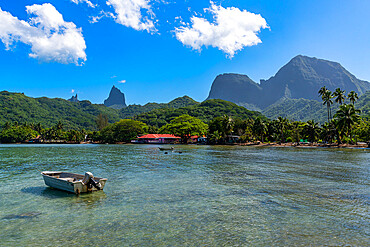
point(35, 133)
point(123, 131)
point(220, 121)
point(185, 126)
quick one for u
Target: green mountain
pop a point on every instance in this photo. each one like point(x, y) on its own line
point(205, 111)
point(298, 110)
point(77, 115)
point(300, 78)
point(133, 110)
point(74, 115)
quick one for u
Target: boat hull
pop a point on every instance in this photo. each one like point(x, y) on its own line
point(166, 148)
point(70, 182)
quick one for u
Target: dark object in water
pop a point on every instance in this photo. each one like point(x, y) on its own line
point(180, 152)
point(21, 216)
point(165, 152)
point(166, 148)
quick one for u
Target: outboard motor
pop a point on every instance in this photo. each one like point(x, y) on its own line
point(89, 181)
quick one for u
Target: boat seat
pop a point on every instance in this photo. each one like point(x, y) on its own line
point(67, 179)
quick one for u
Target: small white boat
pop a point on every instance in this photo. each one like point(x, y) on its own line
point(166, 148)
point(75, 183)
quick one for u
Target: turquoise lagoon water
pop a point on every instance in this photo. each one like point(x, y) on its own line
point(205, 196)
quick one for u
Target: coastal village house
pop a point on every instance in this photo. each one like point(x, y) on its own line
point(166, 139)
point(158, 139)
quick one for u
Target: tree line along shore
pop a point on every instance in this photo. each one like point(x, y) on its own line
point(343, 128)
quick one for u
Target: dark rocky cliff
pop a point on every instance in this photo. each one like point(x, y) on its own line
point(74, 99)
point(235, 88)
point(116, 99)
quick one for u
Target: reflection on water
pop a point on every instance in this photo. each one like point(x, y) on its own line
point(51, 193)
point(21, 216)
point(212, 196)
point(46, 192)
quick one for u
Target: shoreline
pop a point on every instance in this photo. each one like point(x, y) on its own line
point(307, 145)
point(361, 145)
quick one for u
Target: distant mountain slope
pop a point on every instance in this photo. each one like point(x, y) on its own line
point(77, 115)
point(298, 110)
point(363, 103)
point(205, 111)
point(304, 109)
point(301, 77)
point(133, 110)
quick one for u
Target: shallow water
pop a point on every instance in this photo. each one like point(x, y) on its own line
point(205, 196)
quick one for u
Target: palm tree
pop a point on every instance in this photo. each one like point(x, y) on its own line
point(326, 98)
point(347, 116)
point(297, 128)
point(259, 128)
point(312, 130)
point(353, 97)
point(227, 125)
point(272, 130)
point(282, 124)
point(59, 125)
point(215, 137)
point(340, 94)
point(38, 127)
point(328, 132)
point(322, 91)
point(337, 133)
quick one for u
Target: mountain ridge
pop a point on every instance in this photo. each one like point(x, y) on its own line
point(301, 77)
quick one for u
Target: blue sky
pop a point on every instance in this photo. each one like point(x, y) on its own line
point(155, 51)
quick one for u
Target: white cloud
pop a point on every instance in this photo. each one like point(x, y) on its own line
point(95, 19)
point(72, 91)
point(129, 14)
point(90, 4)
point(122, 81)
point(50, 37)
point(232, 30)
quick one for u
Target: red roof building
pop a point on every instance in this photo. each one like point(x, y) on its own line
point(156, 136)
point(158, 139)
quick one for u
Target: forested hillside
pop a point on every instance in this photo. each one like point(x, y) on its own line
point(205, 111)
point(17, 107)
point(74, 115)
point(133, 110)
point(364, 104)
point(304, 109)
